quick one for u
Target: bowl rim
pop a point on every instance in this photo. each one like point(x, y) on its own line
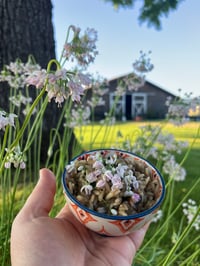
point(107, 216)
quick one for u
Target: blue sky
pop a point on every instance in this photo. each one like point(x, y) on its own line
point(175, 48)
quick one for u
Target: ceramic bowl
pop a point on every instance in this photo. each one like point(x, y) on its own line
point(111, 225)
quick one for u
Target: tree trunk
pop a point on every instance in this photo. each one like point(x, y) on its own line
point(26, 28)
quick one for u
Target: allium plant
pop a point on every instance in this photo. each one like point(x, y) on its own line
point(77, 117)
point(80, 47)
point(190, 208)
point(59, 85)
point(6, 120)
point(15, 157)
point(136, 79)
point(152, 143)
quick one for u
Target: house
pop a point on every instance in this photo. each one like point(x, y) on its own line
point(147, 102)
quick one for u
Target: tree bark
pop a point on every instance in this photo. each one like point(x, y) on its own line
point(26, 28)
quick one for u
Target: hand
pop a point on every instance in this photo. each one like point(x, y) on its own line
point(37, 239)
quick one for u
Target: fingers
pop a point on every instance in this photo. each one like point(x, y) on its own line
point(63, 212)
point(41, 199)
point(138, 236)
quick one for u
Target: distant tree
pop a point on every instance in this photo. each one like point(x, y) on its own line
point(151, 11)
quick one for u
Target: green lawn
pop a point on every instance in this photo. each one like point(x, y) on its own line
point(106, 136)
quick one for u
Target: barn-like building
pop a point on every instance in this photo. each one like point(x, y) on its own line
point(147, 102)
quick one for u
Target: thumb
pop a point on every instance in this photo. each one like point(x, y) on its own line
point(40, 201)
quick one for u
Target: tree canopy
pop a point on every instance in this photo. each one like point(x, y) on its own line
point(151, 11)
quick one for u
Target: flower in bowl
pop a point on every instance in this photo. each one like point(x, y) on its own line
point(112, 192)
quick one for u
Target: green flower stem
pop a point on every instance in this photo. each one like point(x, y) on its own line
point(53, 135)
point(190, 148)
point(66, 108)
point(168, 202)
point(160, 229)
point(36, 124)
point(4, 142)
point(64, 155)
point(9, 218)
point(181, 238)
point(51, 62)
point(184, 249)
point(21, 131)
point(190, 260)
point(27, 119)
point(66, 39)
point(92, 129)
point(92, 141)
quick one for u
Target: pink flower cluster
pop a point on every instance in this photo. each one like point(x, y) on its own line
point(82, 47)
point(60, 85)
point(15, 158)
point(6, 119)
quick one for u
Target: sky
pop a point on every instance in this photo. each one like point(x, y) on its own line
point(175, 49)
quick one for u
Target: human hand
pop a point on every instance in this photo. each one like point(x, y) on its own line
point(37, 239)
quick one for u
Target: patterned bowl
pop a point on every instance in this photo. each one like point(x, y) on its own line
point(113, 224)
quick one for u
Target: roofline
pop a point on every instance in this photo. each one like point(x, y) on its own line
point(147, 81)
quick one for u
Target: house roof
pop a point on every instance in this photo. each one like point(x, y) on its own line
point(146, 81)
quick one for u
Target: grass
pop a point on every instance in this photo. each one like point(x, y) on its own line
point(86, 134)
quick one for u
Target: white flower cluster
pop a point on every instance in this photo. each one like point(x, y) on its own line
point(98, 91)
point(6, 119)
point(174, 170)
point(20, 99)
point(168, 141)
point(79, 116)
point(179, 109)
point(135, 80)
point(15, 157)
point(132, 82)
point(158, 216)
point(81, 48)
point(152, 143)
point(108, 120)
point(16, 73)
point(143, 64)
point(190, 208)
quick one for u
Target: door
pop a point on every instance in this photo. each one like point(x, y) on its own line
point(139, 104)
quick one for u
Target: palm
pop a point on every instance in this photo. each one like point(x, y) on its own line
point(96, 249)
